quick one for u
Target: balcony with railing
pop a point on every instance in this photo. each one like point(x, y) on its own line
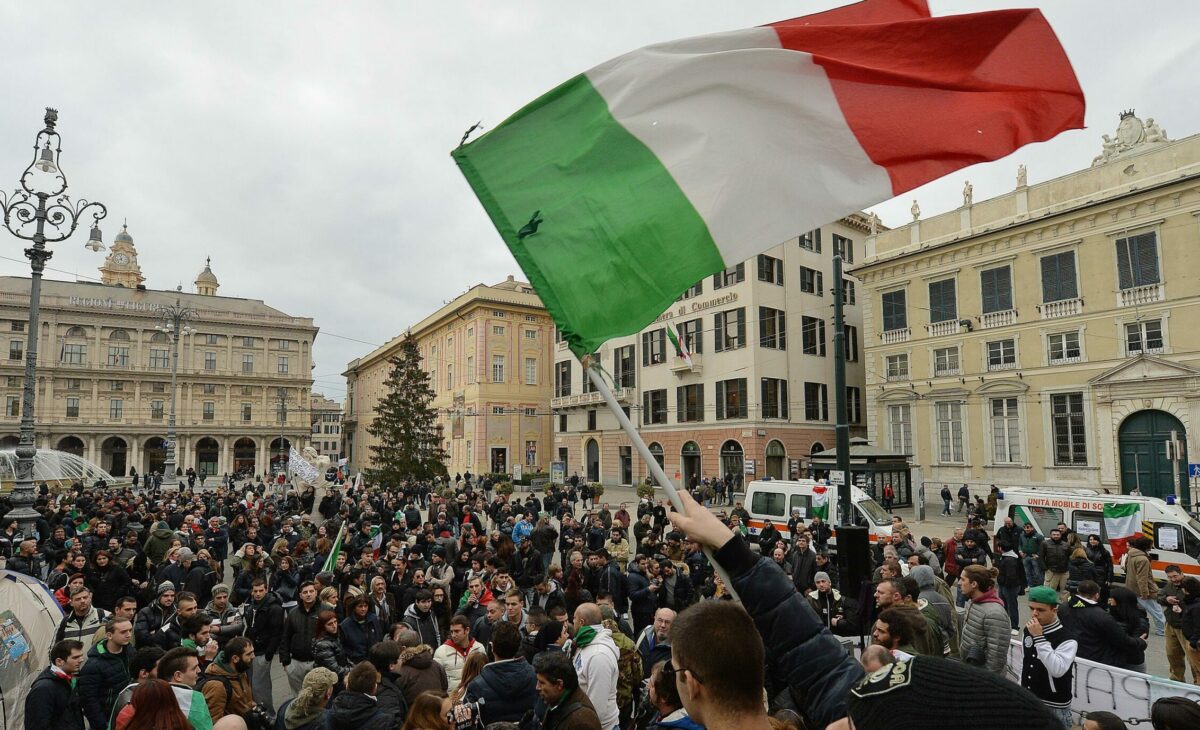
point(1002, 318)
point(944, 328)
point(1134, 296)
point(680, 366)
point(994, 366)
point(582, 400)
point(893, 336)
point(1061, 308)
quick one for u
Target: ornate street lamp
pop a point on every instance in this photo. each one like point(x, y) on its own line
point(41, 212)
point(172, 324)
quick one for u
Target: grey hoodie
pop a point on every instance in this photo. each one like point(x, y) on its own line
point(597, 665)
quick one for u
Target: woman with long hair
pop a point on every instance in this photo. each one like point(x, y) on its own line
point(471, 669)
point(255, 569)
point(1102, 562)
point(1123, 606)
point(285, 581)
point(1079, 569)
point(442, 610)
point(108, 581)
point(418, 583)
point(327, 645)
point(428, 712)
point(154, 707)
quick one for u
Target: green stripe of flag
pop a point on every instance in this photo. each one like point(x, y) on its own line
point(617, 241)
point(331, 561)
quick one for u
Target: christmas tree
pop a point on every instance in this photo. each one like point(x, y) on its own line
point(409, 437)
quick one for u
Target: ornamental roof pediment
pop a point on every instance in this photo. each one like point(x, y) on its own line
point(1142, 368)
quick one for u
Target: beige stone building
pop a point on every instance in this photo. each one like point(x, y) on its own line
point(104, 372)
point(326, 416)
point(1041, 336)
point(759, 399)
point(488, 353)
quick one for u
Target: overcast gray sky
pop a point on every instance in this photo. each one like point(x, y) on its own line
point(304, 145)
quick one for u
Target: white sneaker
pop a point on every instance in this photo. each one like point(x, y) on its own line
point(1016, 632)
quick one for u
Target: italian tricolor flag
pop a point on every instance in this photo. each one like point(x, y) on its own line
point(660, 167)
point(820, 503)
point(1121, 524)
point(681, 349)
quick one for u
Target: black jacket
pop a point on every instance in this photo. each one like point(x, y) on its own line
point(148, 621)
point(52, 702)
point(298, 630)
point(391, 699)
point(642, 600)
point(356, 711)
point(328, 653)
point(264, 625)
point(801, 652)
point(1101, 638)
point(359, 636)
point(100, 681)
point(508, 689)
point(804, 570)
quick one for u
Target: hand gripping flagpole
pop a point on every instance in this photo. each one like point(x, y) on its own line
point(655, 470)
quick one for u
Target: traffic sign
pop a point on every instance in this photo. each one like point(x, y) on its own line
point(837, 477)
point(1194, 470)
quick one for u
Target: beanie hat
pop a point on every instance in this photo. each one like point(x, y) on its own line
point(220, 588)
point(923, 575)
point(820, 576)
point(911, 695)
point(1043, 594)
point(165, 586)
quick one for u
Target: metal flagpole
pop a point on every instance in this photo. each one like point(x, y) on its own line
point(655, 470)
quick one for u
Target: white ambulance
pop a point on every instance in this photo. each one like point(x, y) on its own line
point(774, 499)
point(1175, 533)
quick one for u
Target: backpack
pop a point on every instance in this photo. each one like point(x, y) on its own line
point(629, 665)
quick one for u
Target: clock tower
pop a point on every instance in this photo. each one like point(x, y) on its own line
point(121, 267)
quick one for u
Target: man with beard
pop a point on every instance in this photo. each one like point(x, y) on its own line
point(226, 682)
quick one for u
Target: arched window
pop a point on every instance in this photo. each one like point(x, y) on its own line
point(817, 448)
point(656, 450)
point(159, 337)
point(76, 332)
point(119, 335)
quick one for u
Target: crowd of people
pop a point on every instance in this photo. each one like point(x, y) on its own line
point(457, 604)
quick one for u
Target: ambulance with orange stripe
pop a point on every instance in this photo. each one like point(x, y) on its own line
point(1176, 534)
point(775, 499)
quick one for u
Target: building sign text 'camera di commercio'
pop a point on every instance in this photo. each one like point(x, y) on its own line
point(684, 309)
point(110, 303)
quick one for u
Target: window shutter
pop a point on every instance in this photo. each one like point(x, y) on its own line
point(1068, 281)
point(717, 279)
point(820, 285)
point(783, 398)
point(1050, 288)
point(680, 402)
point(741, 271)
point(719, 332)
point(645, 349)
point(741, 327)
point(997, 289)
point(781, 329)
point(762, 267)
point(720, 399)
point(1125, 263)
point(779, 271)
point(817, 240)
point(821, 335)
point(1147, 260)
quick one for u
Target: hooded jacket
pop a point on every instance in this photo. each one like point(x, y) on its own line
point(1138, 577)
point(358, 636)
point(159, 542)
point(420, 673)
point(452, 657)
point(1101, 637)
point(597, 665)
point(508, 688)
point(356, 711)
point(426, 626)
point(652, 650)
point(986, 626)
point(53, 702)
point(148, 622)
point(100, 681)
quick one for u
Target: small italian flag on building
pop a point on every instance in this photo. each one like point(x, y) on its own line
point(1122, 524)
point(681, 349)
point(820, 502)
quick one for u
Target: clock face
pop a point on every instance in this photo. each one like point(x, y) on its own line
point(120, 259)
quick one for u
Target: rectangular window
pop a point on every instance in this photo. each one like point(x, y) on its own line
point(730, 329)
point(116, 409)
point(848, 295)
point(654, 406)
point(531, 369)
point(530, 318)
point(812, 336)
point(854, 404)
point(247, 363)
point(950, 435)
point(1070, 441)
point(895, 310)
point(209, 388)
point(530, 412)
point(1063, 347)
point(118, 357)
point(248, 341)
point(774, 398)
point(729, 277)
point(1002, 354)
point(943, 306)
point(811, 281)
point(588, 385)
point(72, 408)
point(996, 289)
point(624, 367)
point(499, 314)
point(691, 334)
point(1058, 277)
point(160, 358)
point(900, 428)
point(816, 401)
point(811, 241)
point(74, 354)
point(156, 410)
point(731, 399)
point(531, 334)
point(770, 269)
point(654, 347)
point(18, 326)
point(12, 406)
point(530, 453)
point(497, 410)
point(210, 410)
point(118, 385)
point(497, 368)
point(945, 361)
point(851, 338)
point(246, 389)
point(210, 339)
point(497, 329)
point(14, 381)
point(772, 328)
point(769, 503)
point(449, 375)
point(843, 247)
point(247, 412)
point(210, 360)
point(562, 423)
point(897, 366)
point(1145, 336)
point(284, 344)
point(1006, 431)
point(471, 370)
point(16, 350)
point(689, 403)
point(694, 290)
point(283, 366)
point(1137, 261)
point(562, 379)
point(591, 420)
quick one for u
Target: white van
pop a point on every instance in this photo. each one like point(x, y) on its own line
point(1175, 533)
point(773, 500)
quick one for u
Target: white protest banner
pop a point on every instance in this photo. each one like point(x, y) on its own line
point(1120, 691)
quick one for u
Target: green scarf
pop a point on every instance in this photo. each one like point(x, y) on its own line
point(585, 635)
